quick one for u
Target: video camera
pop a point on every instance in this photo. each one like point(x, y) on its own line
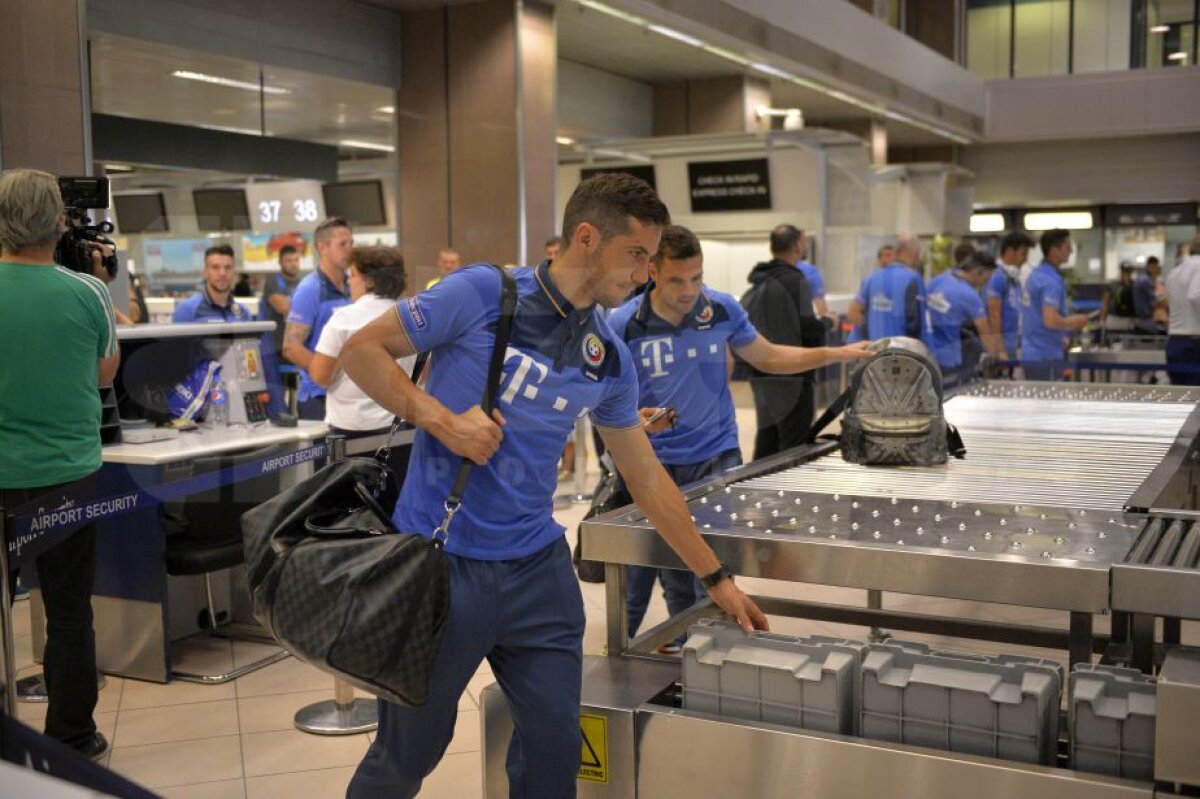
point(74, 250)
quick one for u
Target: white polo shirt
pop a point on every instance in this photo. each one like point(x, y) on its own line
point(1183, 297)
point(348, 406)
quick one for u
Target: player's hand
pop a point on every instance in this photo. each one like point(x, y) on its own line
point(741, 608)
point(853, 352)
point(1078, 321)
point(659, 425)
point(472, 434)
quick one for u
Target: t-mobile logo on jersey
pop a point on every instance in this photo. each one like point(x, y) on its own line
point(525, 379)
point(520, 376)
point(657, 353)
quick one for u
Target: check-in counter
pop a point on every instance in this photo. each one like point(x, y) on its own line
point(138, 609)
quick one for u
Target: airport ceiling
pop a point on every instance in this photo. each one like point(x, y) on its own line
point(143, 79)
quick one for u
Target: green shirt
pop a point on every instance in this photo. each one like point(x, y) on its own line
point(54, 326)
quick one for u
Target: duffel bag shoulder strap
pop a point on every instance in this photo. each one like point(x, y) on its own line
point(508, 310)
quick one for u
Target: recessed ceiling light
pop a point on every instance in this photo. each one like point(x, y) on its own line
point(671, 33)
point(612, 12)
point(1161, 29)
point(1047, 220)
point(386, 109)
point(776, 72)
point(565, 141)
point(987, 223)
point(230, 83)
point(1179, 56)
point(117, 168)
point(728, 55)
point(366, 145)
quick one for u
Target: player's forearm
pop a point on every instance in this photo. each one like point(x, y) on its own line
point(376, 372)
point(794, 360)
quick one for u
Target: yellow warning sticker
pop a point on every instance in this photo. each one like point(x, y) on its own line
point(593, 765)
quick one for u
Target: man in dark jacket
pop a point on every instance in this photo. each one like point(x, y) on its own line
point(779, 304)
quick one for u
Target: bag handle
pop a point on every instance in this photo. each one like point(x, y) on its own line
point(508, 309)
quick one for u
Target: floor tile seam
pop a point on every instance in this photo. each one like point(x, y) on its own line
point(300, 771)
point(122, 708)
point(184, 741)
point(184, 784)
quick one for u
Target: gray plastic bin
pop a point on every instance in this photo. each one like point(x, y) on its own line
point(1002, 706)
point(1112, 715)
point(799, 682)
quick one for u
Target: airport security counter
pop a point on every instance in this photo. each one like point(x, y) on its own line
point(138, 609)
point(1072, 497)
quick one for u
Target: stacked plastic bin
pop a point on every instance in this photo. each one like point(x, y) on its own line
point(1112, 716)
point(1001, 706)
point(799, 682)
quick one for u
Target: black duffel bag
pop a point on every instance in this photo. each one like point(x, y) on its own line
point(339, 587)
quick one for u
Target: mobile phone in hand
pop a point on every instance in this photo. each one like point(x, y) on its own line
point(659, 414)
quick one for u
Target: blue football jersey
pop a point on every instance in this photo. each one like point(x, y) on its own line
point(561, 363)
point(685, 368)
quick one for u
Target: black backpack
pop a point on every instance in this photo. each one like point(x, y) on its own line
point(893, 410)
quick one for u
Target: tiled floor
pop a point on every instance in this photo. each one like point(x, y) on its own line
point(190, 741)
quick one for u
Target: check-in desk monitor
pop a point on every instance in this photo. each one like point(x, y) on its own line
point(155, 358)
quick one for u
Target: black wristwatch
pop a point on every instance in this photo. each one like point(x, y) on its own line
point(710, 581)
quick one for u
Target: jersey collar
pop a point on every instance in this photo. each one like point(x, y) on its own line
point(224, 309)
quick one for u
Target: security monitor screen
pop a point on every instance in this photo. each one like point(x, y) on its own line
point(359, 203)
point(221, 209)
point(141, 213)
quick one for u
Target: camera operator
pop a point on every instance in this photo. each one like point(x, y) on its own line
point(50, 425)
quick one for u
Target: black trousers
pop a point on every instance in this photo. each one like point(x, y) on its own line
point(312, 409)
point(785, 407)
point(66, 573)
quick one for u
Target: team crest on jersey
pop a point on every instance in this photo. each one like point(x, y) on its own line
point(593, 350)
point(705, 316)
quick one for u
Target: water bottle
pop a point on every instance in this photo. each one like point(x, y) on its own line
point(218, 405)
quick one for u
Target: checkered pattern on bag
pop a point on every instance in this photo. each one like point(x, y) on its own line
point(365, 607)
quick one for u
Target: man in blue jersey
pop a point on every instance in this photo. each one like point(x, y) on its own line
point(1003, 293)
point(958, 320)
point(514, 596)
point(214, 302)
point(679, 332)
point(891, 302)
point(313, 302)
point(1045, 325)
point(816, 283)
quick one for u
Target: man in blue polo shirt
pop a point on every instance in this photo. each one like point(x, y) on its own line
point(679, 332)
point(959, 323)
point(1045, 325)
point(891, 302)
point(1003, 292)
point(516, 601)
point(313, 302)
point(214, 302)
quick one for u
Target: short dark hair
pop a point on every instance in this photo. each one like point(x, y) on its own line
point(963, 251)
point(553, 241)
point(1015, 240)
point(325, 230)
point(218, 249)
point(784, 238)
point(980, 260)
point(1053, 238)
point(1153, 259)
point(677, 243)
point(607, 201)
point(287, 250)
point(382, 268)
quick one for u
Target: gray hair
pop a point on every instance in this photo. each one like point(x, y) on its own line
point(908, 243)
point(30, 209)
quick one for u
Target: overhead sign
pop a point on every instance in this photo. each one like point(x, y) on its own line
point(593, 762)
point(1150, 214)
point(730, 185)
point(641, 172)
point(285, 206)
